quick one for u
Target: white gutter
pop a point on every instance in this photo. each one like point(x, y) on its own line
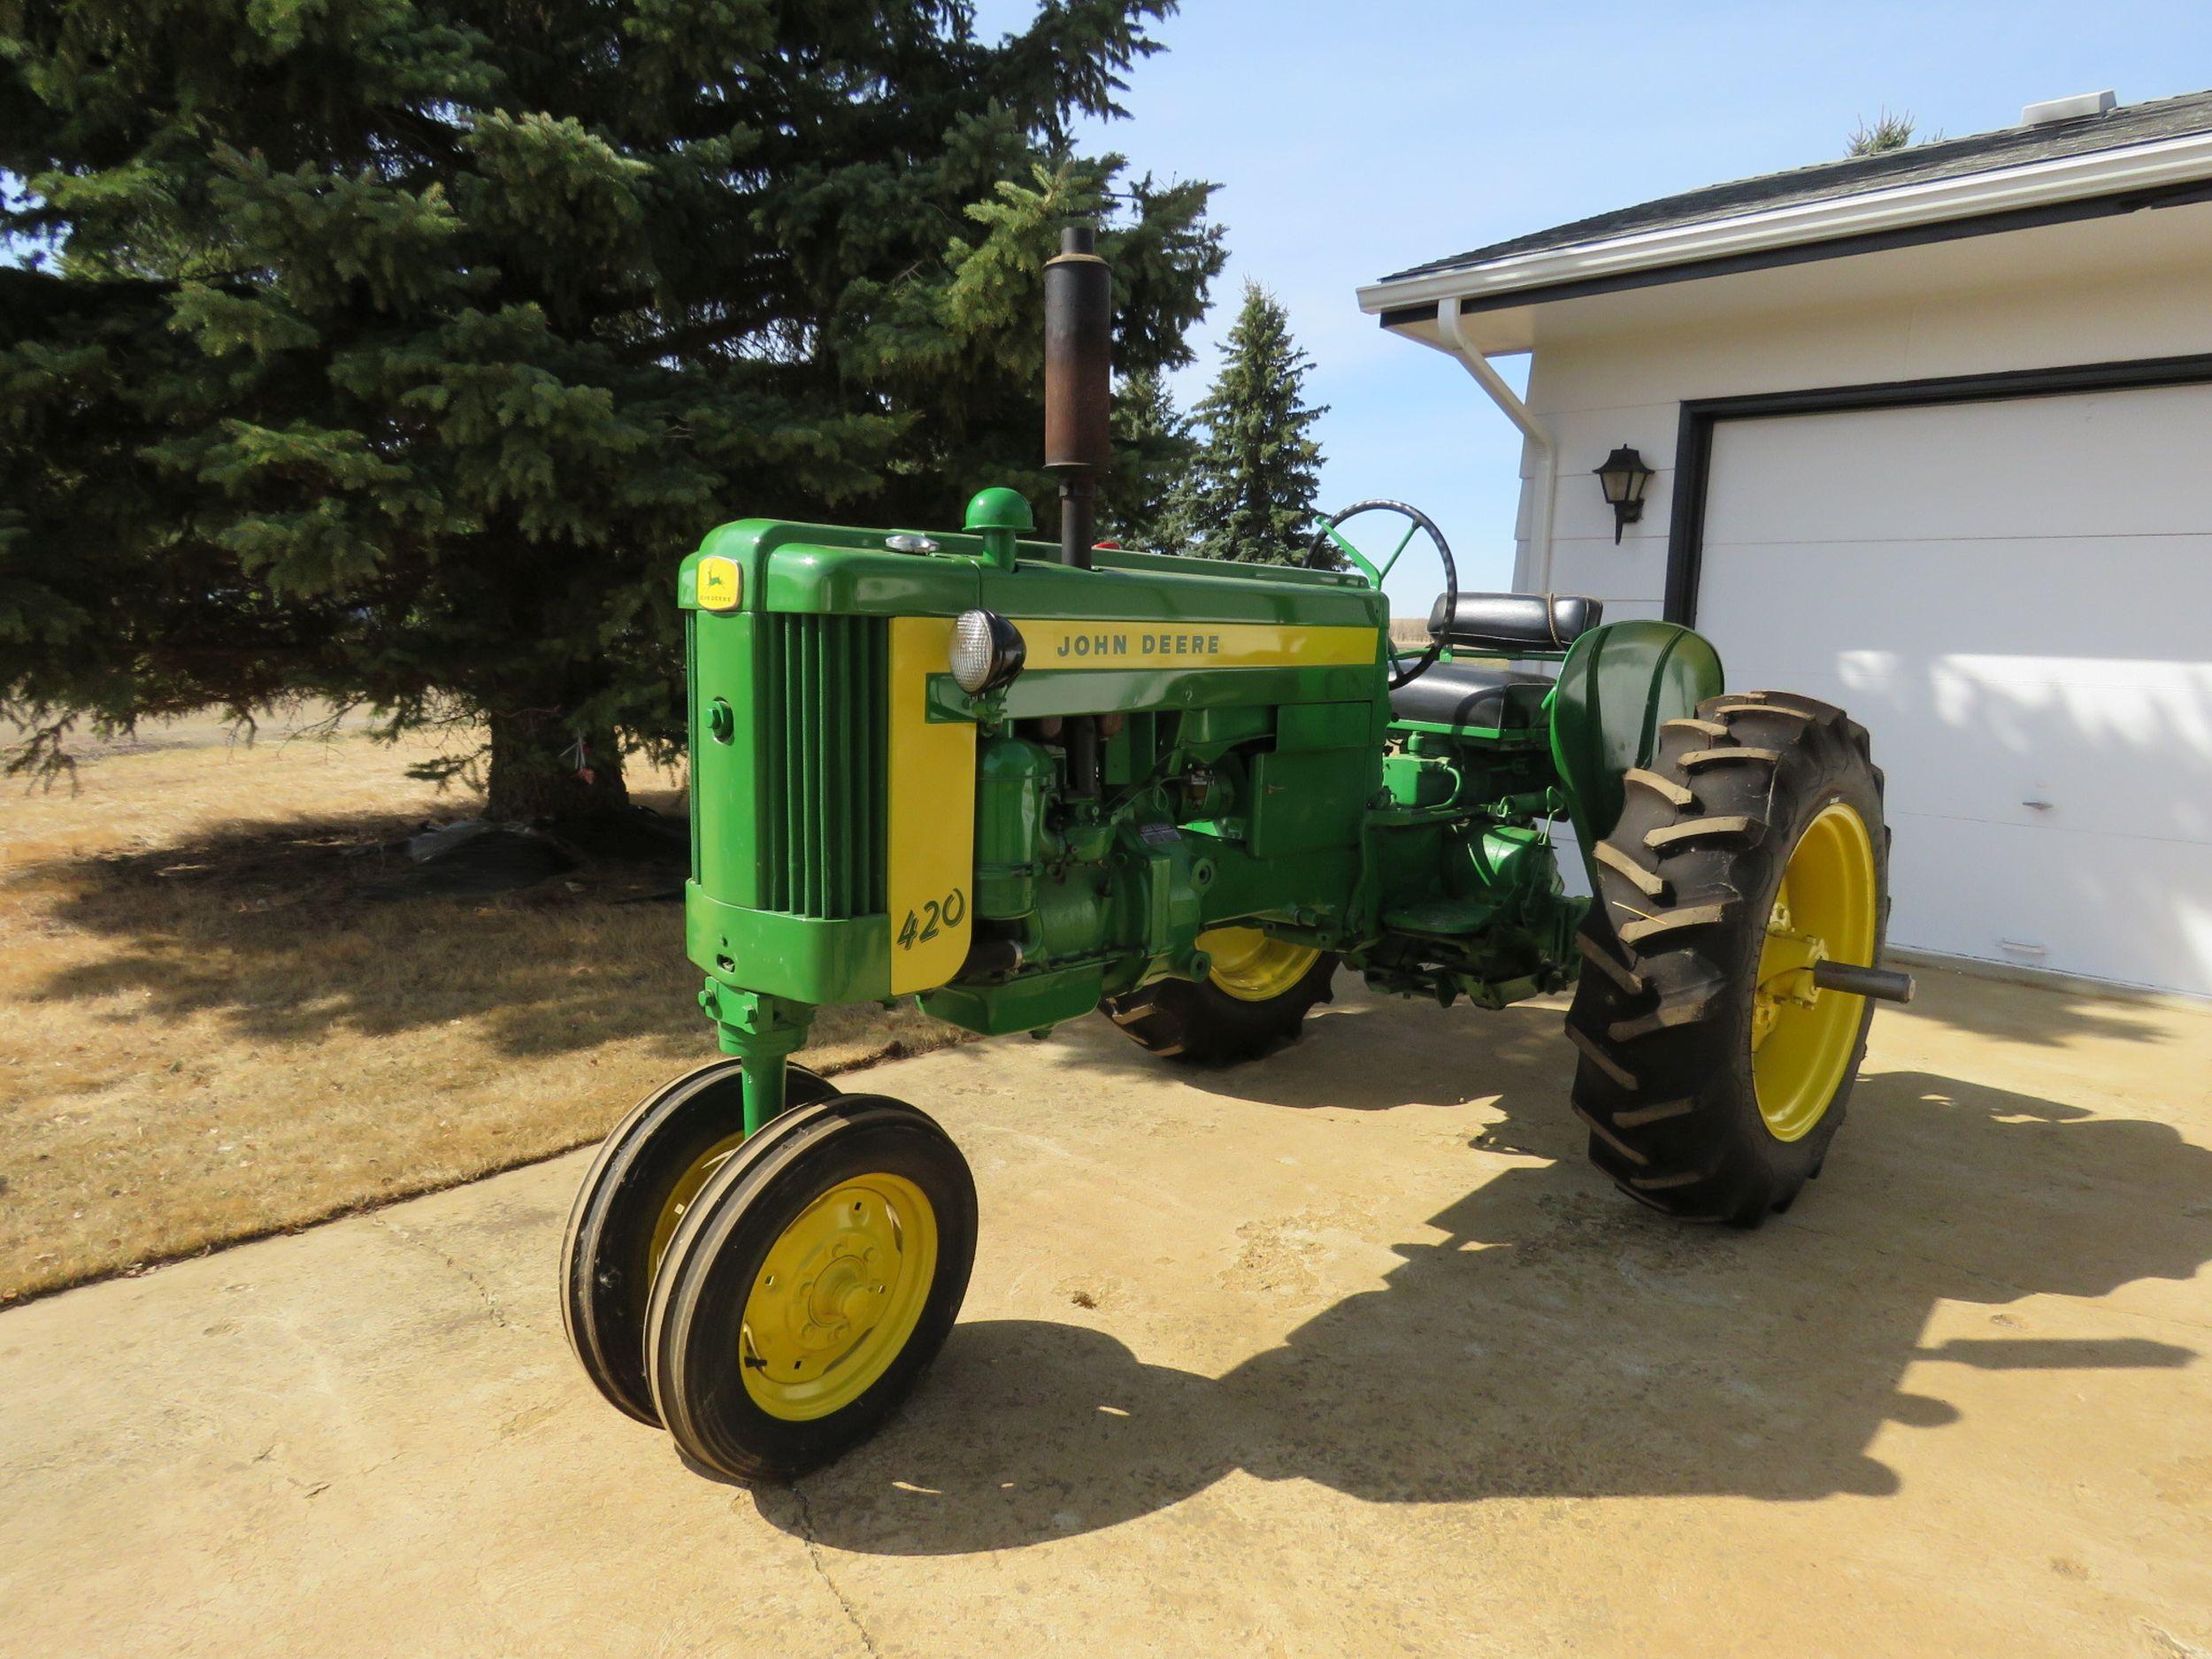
point(2070, 178)
point(1539, 435)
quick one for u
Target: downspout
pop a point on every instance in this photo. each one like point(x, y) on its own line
point(1546, 479)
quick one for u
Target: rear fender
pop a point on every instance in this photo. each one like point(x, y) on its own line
point(1618, 686)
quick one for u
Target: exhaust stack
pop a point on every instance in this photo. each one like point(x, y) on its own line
point(1079, 384)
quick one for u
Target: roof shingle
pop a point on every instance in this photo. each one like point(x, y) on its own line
point(1831, 180)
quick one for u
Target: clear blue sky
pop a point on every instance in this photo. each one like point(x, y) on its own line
point(1354, 140)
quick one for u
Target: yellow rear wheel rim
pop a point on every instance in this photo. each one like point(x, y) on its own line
point(1252, 967)
point(1802, 1037)
point(838, 1296)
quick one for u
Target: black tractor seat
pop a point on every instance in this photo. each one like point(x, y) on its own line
point(1513, 622)
point(1473, 694)
point(1488, 694)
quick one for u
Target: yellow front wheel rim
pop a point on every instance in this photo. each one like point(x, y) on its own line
point(1802, 1037)
point(839, 1293)
point(1252, 967)
point(680, 1195)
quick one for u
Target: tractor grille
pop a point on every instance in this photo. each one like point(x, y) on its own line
point(820, 802)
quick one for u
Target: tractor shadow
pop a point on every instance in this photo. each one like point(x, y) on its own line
point(2028, 1012)
point(1544, 1337)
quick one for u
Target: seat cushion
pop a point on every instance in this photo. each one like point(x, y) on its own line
point(1514, 622)
point(1472, 694)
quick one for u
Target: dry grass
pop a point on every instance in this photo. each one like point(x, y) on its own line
point(209, 1033)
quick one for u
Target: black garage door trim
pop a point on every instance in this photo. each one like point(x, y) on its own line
point(1694, 437)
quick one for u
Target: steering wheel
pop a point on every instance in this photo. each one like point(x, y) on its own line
point(1329, 549)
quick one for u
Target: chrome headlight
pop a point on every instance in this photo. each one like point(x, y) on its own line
point(986, 651)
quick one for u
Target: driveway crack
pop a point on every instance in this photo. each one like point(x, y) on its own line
point(821, 1570)
point(497, 1314)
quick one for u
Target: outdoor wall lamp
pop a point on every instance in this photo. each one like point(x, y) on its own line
point(1623, 477)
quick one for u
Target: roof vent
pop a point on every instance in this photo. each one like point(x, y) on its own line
point(2068, 109)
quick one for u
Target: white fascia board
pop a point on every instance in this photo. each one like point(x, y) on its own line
point(2070, 178)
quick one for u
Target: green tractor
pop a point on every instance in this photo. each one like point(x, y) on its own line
point(1022, 783)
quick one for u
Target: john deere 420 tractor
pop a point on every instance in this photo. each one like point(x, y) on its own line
point(1022, 783)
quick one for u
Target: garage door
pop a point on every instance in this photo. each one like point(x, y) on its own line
point(2015, 599)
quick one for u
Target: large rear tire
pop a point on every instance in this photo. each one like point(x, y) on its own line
point(1253, 1001)
point(1713, 1075)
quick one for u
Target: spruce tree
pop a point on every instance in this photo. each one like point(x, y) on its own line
point(1153, 452)
point(394, 351)
point(1885, 134)
point(1250, 492)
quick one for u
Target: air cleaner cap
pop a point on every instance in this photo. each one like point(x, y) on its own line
point(999, 508)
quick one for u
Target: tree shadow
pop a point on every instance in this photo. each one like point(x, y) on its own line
point(1549, 1339)
point(289, 930)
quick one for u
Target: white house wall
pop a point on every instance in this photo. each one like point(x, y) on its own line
point(1596, 382)
point(1595, 390)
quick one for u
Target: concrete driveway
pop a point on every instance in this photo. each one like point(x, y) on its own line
point(1344, 1353)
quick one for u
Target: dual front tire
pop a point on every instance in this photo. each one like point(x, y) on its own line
point(770, 1301)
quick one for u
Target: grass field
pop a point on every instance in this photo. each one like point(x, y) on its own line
point(210, 1028)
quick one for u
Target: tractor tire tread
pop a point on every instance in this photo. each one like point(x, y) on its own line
point(1606, 963)
point(1737, 825)
point(1650, 883)
point(1661, 1026)
point(1699, 758)
point(1611, 1139)
point(1673, 921)
point(1676, 1009)
point(1665, 787)
point(1637, 1117)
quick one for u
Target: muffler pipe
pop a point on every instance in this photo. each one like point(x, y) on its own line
point(1079, 384)
point(1882, 984)
point(1078, 408)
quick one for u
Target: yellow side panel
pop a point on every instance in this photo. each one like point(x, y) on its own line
point(1059, 644)
point(930, 840)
